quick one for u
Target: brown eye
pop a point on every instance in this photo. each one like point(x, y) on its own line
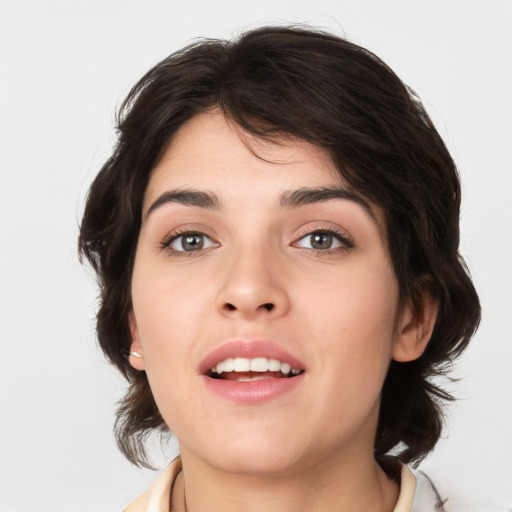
point(324, 241)
point(190, 242)
point(321, 241)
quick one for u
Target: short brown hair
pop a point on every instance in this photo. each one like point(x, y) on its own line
point(314, 86)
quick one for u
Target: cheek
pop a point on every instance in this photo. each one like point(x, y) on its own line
point(353, 322)
point(168, 325)
point(173, 311)
point(166, 320)
point(167, 301)
point(357, 304)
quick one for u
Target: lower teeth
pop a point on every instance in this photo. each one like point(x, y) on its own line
point(251, 379)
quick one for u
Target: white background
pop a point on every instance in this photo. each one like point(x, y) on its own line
point(64, 68)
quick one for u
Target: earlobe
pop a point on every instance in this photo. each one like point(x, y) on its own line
point(415, 328)
point(136, 357)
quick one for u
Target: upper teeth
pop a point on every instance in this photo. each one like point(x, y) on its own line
point(257, 364)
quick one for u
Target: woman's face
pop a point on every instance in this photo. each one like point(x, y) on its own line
point(257, 257)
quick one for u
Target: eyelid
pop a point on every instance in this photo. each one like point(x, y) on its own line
point(207, 242)
point(173, 235)
point(344, 238)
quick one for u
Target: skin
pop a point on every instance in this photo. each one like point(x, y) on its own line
point(335, 309)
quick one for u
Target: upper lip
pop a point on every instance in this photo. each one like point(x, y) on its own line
point(249, 349)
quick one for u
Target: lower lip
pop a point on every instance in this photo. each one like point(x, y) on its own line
point(252, 392)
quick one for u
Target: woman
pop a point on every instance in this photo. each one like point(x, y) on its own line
point(276, 240)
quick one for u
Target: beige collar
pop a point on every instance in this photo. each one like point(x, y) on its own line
point(158, 497)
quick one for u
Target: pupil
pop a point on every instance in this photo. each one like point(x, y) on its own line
point(192, 242)
point(321, 241)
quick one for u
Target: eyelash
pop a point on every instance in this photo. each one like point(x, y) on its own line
point(347, 243)
point(170, 238)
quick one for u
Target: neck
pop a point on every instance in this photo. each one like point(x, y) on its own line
point(341, 483)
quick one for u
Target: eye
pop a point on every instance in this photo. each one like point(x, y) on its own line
point(189, 242)
point(324, 241)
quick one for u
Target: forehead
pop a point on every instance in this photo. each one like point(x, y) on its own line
point(241, 172)
point(210, 151)
point(212, 163)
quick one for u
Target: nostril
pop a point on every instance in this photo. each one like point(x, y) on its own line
point(268, 306)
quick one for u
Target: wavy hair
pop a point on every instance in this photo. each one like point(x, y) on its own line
point(311, 85)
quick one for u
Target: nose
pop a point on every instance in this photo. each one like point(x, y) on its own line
point(253, 286)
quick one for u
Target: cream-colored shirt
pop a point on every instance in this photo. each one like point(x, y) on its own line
point(417, 494)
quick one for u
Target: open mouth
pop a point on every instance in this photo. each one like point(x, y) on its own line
point(241, 369)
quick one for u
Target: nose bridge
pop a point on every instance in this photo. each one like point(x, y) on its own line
point(252, 282)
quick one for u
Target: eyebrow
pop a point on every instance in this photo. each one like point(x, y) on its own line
point(188, 198)
point(304, 196)
point(289, 199)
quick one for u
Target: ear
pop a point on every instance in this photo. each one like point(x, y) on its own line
point(136, 357)
point(415, 327)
